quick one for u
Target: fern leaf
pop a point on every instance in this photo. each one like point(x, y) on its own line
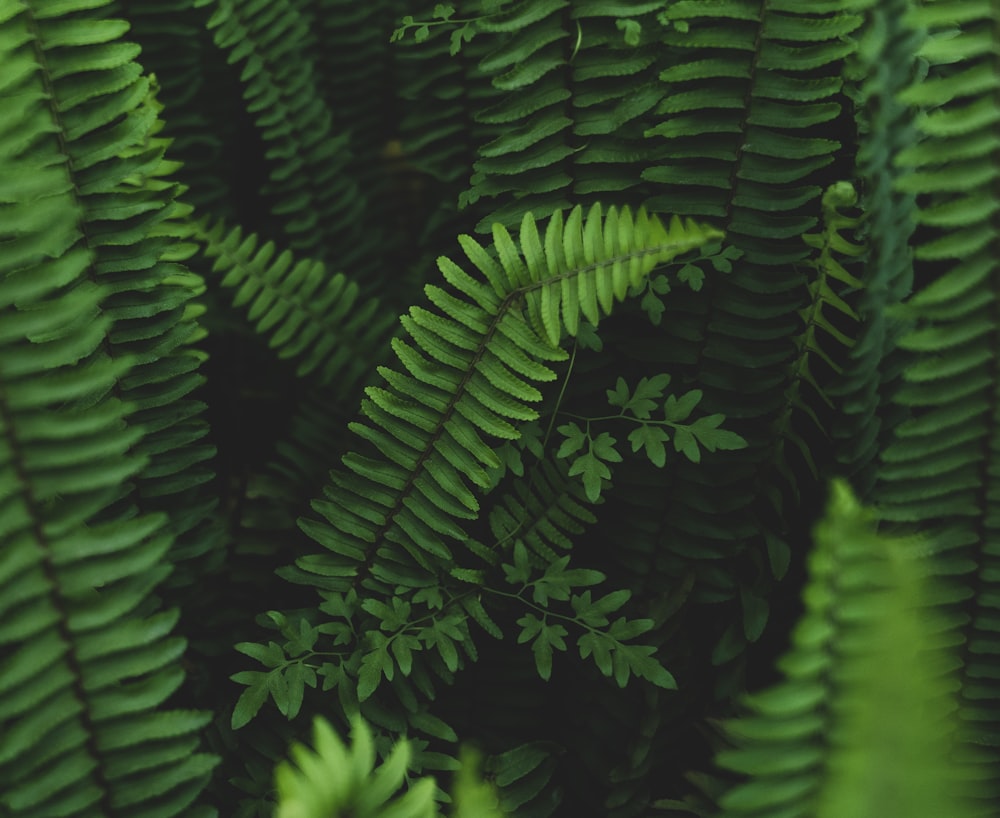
point(862, 723)
point(271, 42)
point(94, 311)
point(828, 319)
point(315, 319)
point(543, 512)
point(333, 778)
point(199, 134)
point(938, 471)
point(885, 64)
point(453, 356)
point(548, 150)
point(744, 136)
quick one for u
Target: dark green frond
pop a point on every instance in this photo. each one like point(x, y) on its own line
point(747, 133)
point(940, 472)
point(751, 92)
point(575, 80)
point(94, 323)
point(829, 321)
point(201, 100)
point(311, 194)
point(544, 510)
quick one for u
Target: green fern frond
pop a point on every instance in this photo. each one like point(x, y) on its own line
point(155, 326)
point(315, 319)
point(828, 320)
point(745, 133)
point(356, 74)
point(312, 195)
point(468, 376)
point(438, 140)
point(939, 472)
point(94, 315)
point(201, 106)
point(862, 723)
point(335, 780)
point(555, 145)
point(133, 227)
point(885, 64)
point(750, 93)
point(441, 140)
point(544, 511)
point(389, 523)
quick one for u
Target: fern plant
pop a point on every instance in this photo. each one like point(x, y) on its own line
point(662, 268)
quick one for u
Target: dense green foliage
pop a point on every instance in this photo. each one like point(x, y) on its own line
point(663, 271)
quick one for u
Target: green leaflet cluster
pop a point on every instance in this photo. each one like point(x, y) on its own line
point(940, 472)
point(592, 452)
point(565, 132)
point(838, 736)
point(95, 323)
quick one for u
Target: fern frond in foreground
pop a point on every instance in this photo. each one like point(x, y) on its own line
point(334, 780)
point(863, 724)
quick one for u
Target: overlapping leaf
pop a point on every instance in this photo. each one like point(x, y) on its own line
point(272, 43)
point(885, 64)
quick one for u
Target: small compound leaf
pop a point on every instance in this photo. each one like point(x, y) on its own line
point(651, 439)
point(250, 700)
point(677, 409)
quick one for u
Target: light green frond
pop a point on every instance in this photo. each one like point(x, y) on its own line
point(863, 723)
point(333, 780)
point(939, 472)
point(423, 438)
